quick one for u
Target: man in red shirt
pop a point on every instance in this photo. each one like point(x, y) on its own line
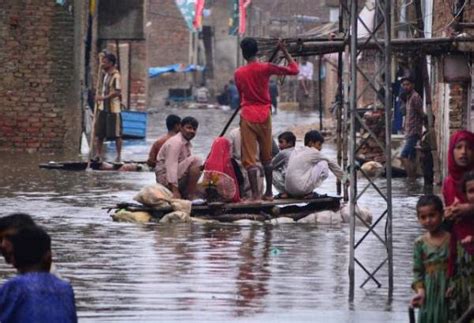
point(255, 117)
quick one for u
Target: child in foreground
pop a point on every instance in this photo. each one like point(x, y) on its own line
point(430, 262)
point(35, 295)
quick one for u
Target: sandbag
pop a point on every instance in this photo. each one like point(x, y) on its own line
point(372, 169)
point(281, 220)
point(181, 205)
point(203, 221)
point(323, 217)
point(134, 217)
point(176, 217)
point(154, 195)
point(364, 213)
point(247, 222)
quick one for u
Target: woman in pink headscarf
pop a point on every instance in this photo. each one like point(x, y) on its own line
point(460, 161)
point(219, 163)
point(458, 191)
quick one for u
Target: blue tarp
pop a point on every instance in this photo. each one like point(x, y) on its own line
point(175, 68)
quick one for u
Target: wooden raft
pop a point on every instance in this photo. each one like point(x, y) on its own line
point(76, 165)
point(229, 212)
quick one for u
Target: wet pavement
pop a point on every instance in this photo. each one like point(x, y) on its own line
point(204, 273)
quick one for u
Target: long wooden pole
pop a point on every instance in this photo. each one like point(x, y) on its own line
point(96, 108)
point(320, 92)
point(301, 47)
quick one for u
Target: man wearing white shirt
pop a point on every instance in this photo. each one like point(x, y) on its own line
point(305, 76)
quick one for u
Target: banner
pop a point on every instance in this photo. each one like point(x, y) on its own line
point(197, 22)
point(233, 16)
point(243, 4)
point(188, 10)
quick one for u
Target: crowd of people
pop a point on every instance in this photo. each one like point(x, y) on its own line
point(248, 154)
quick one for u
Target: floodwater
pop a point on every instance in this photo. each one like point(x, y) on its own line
point(205, 273)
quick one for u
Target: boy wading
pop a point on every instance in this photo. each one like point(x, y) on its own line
point(255, 121)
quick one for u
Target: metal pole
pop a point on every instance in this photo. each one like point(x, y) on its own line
point(339, 97)
point(388, 140)
point(352, 146)
point(339, 117)
point(320, 92)
point(345, 118)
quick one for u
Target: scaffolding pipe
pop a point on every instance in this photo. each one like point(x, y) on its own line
point(352, 145)
point(339, 99)
point(388, 140)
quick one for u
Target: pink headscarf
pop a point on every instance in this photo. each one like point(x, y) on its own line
point(452, 190)
point(219, 160)
point(452, 184)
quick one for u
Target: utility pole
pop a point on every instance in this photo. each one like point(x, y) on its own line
point(382, 27)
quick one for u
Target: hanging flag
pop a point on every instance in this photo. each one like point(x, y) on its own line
point(243, 4)
point(188, 10)
point(92, 7)
point(197, 22)
point(233, 6)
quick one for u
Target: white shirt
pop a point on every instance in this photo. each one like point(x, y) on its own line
point(298, 173)
point(306, 71)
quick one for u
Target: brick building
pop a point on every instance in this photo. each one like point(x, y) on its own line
point(40, 86)
point(451, 97)
point(48, 62)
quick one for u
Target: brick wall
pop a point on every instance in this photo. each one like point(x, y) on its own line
point(457, 104)
point(37, 84)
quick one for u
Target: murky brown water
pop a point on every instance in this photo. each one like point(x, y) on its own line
point(202, 273)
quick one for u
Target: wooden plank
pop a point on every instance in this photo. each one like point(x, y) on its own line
point(64, 165)
point(75, 165)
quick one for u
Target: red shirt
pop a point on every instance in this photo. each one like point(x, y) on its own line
point(252, 82)
point(155, 149)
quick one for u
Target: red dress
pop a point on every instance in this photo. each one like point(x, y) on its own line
point(219, 160)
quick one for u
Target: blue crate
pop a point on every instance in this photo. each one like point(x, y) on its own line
point(134, 124)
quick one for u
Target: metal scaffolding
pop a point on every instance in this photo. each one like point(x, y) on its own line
point(354, 84)
point(380, 83)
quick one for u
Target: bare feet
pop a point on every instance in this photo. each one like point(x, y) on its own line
point(282, 196)
point(267, 198)
point(251, 201)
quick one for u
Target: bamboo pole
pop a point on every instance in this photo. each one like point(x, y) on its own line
point(96, 108)
point(428, 96)
point(301, 47)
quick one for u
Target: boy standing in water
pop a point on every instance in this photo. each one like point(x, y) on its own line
point(255, 119)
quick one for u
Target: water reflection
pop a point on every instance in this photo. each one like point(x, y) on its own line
point(205, 273)
point(252, 278)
